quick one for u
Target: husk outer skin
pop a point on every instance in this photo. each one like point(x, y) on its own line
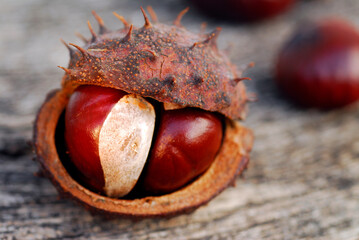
point(163, 62)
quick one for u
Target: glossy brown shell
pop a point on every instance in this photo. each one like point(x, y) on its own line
point(230, 162)
point(163, 62)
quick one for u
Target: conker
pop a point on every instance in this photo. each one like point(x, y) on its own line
point(244, 10)
point(108, 134)
point(318, 65)
point(186, 143)
point(146, 123)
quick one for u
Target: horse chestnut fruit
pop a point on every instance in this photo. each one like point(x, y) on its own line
point(146, 121)
point(318, 66)
point(244, 10)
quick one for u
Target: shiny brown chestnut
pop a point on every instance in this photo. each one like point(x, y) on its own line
point(158, 70)
point(318, 66)
point(186, 143)
point(244, 10)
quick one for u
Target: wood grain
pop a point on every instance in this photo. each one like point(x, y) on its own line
point(303, 179)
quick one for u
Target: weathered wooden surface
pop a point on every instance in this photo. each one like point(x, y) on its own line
point(303, 180)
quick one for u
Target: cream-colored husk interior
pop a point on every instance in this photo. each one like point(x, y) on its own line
point(124, 143)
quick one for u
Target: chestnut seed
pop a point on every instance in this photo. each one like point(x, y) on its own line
point(318, 66)
point(187, 141)
point(244, 10)
point(108, 134)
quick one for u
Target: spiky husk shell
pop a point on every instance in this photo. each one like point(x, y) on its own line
point(163, 62)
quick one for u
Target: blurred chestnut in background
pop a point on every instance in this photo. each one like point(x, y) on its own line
point(243, 10)
point(319, 65)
